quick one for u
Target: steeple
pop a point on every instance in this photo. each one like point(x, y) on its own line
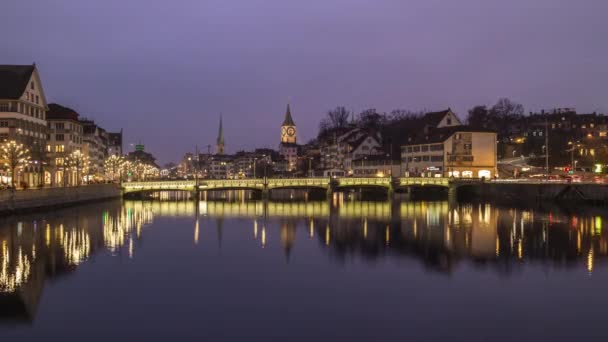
point(220, 138)
point(288, 119)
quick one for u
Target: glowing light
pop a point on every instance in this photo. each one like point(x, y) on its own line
point(263, 236)
point(312, 228)
point(590, 261)
point(327, 237)
point(387, 235)
point(196, 232)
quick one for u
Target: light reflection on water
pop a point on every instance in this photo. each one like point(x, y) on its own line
point(438, 235)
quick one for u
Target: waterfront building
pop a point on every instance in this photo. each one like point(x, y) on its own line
point(457, 151)
point(221, 166)
point(65, 133)
point(95, 147)
point(354, 144)
point(115, 143)
point(141, 164)
point(378, 165)
point(23, 109)
point(289, 148)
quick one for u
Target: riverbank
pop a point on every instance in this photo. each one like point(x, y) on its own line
point(34, 199)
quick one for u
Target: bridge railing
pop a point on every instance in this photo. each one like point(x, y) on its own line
point(284, 182)
point(441, 181)
point(159, 185)
point(232, 183)
point(379, 181)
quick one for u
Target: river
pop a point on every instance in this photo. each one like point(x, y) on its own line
point(333, 270)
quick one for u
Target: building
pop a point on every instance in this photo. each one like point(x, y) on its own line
point(338, 153)
point(457, 151)
point(289, 148)
point(440, 119)
point(23, 109)
point(95, 147)
point(64, 141)
point(142, 165)
point(115, 144)
point(378, 165)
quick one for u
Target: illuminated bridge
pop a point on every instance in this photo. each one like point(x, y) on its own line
point(259, 184)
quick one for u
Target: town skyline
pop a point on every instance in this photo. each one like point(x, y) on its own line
point(215, 58)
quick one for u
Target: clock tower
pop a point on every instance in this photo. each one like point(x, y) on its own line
point(288, 128)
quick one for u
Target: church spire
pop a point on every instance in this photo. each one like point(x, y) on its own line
point(220, 138)
point(288, 119)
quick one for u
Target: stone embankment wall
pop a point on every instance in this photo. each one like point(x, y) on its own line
point(24, 200)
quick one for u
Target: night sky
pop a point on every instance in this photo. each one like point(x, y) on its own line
point(164, 70)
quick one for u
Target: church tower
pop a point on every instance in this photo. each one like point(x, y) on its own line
point(219, 148)
point(288, 128)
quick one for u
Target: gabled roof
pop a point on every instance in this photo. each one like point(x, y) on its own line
point(355, 144)
point(434, 118)
point(14, 80)
point(288, 119)
point(442, 134)
point(59, 112)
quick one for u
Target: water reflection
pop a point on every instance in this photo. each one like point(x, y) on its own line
point(441, 236)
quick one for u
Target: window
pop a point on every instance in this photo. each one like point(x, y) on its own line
point(424, 148)
point(60, 148)
point(59, 137)
point(449, 121)
point(436, 158)
point(425, 158)
point(37, 98)
point(3, 107)
point(437, 147)
point(416, 149)
point(59, 125)
point(59, 161)
point(3, 123)
point(48, 148)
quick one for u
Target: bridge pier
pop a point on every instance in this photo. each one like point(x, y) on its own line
point(265, 193)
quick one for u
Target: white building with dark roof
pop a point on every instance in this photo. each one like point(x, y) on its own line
point(23, 109)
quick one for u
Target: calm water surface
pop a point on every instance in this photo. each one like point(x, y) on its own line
point(304, 271)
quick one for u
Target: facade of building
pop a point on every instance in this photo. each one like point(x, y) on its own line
point(459, 151)
point(23, 109)
point(115, 144)
point(289, 148)
point(354, 144)
point(376, 166)
point(65, 134)
point(95, 147)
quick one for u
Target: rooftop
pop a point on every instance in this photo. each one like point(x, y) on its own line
point(14, 80)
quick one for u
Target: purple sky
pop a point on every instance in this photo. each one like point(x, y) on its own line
point(164, 72)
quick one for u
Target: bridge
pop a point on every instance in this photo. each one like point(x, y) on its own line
point(259, 184)
point(267, 184)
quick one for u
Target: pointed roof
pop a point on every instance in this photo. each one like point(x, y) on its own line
point(288, 119)
point(14, 80)
point(220, 134)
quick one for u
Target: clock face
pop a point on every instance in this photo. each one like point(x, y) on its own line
point(291, 131)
